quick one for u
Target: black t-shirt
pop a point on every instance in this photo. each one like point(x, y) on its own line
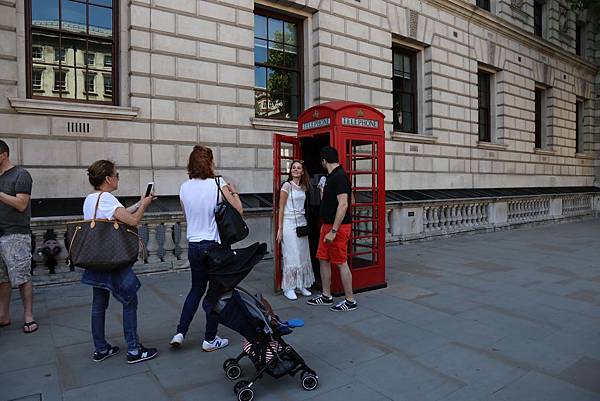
point(15, 181)
point(336, 183)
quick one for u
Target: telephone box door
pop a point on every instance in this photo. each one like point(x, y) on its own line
point(286, 149)
point(363, 157)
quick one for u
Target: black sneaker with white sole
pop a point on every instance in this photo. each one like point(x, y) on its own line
point(143, 355)
point(320, 300)
point(110, 351)
point(344, 306)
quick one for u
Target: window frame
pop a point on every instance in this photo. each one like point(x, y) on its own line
point(413, 53)
point(541, 117)
point(579, 125)
point(300, 43)
point(538, 29)
point(41, 72)
point(487, 136)
point(29, 29)
point(484, 4)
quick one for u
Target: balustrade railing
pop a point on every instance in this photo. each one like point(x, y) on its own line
point(577, 204)
point(457, 216)
point(524, 210)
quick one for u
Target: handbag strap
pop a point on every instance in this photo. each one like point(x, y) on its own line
point(96, 207)
point(292, 197)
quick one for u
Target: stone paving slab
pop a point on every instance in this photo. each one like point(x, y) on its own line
point(505, 316)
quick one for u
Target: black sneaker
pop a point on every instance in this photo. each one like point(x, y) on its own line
point(143, 354)
point(100, 356)
point(320, 300)
point(344, 306)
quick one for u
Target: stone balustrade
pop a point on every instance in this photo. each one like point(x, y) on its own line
point(164, 234)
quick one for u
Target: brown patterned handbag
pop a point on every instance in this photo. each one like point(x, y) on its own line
point(102, 245)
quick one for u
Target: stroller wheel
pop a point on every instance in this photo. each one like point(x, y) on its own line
point(240, 385)
point(233, 371)
point(245, 394)
point(309, 381)
point(228, 362)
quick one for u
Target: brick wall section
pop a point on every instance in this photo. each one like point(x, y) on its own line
point(191, 74)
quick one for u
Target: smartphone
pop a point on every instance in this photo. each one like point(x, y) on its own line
point(149, 189)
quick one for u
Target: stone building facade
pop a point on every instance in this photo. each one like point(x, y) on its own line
point(187, 72)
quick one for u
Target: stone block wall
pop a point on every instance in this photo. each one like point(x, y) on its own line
point(187, 74)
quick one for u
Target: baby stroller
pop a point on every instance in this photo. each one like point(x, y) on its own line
point(253, 318)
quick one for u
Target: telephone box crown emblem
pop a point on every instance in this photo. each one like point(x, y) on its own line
point(360, 113)
point(315, 114)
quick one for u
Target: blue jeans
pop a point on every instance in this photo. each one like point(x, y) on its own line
point(199, 282)
point(99, 305)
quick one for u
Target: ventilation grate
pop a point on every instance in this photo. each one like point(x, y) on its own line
point(78, 127)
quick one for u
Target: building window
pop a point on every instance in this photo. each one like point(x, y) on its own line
point(538, 17)
point(277, 66)
point(405, 90)
point(579, 40)
point(60, 82)
point(36, 79)
point(485, 106)
point(90, 59)
point(60, 55)
point(90, 83)
point(78, 33)
point(485, 4)
point(540, 117)
point(579, 127)
point(108, 85)
point(36, 52)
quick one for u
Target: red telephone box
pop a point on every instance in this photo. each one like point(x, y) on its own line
point(356, 131)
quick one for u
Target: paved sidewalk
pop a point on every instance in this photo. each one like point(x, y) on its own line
point(500, 316)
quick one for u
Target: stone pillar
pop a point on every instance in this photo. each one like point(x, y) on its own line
point(498, 213)
point(407, 221)
point(556, 207)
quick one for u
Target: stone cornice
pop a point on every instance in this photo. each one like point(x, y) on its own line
point(493, 22)
point(71, 109)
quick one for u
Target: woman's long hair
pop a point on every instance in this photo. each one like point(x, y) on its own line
point(303, 178)
point(201, 163)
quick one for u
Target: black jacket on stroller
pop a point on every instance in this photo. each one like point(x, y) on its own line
point(253, 318)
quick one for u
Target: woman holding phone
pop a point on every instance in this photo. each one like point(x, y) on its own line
point(297, 266)
point(122, 283)
point(198, 197)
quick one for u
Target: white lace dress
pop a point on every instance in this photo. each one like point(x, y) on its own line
point(297, 266)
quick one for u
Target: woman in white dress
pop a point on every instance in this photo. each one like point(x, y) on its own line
point(297, 266)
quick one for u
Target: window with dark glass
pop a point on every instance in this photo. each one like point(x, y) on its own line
point(277, 66)
point(405, 90)
point(579, 40)
point(485, 4)
point(539, 117)
point(36, 52)
point(538, 10)
point(78, 33)
point(107, 85)
point(60, 83)
point(90, 59)
point(36, 79)
point(90, 82)
point(579, 127)
point(484, 108)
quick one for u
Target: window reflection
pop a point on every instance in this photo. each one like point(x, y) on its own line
point(72, 49)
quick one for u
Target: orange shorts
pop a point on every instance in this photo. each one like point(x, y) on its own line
point(337, 251)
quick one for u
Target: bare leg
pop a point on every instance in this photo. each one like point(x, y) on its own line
point(325, 277)
point(346, 276)
point(27, 298)
point(5, 291)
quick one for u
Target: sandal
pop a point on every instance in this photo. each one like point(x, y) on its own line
point(5, 324)
point(27, 327)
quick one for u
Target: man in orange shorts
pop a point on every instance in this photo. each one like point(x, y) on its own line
point(335, 232)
